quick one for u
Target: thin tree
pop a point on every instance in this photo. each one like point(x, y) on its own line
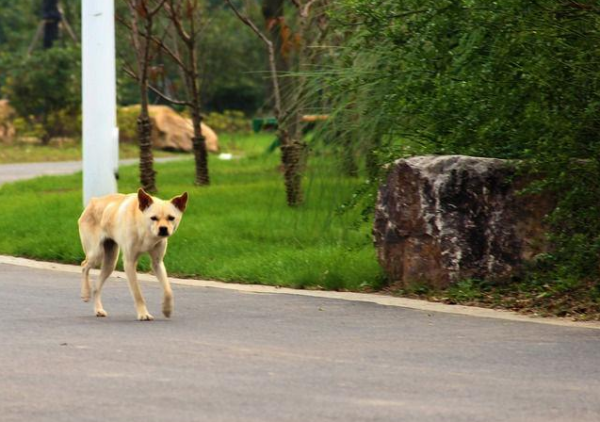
point(142, 17)
point(181, 32)
point(52, 17)
point(282, 44)
point(52, 20)
point(293, 148)
point(184, 16)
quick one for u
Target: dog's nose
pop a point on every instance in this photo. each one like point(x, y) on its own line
point(163, 231)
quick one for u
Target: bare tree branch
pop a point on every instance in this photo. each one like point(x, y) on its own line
point(157, 8)
point(304, 11)
point(174, 54)
point(127, 69)
point(134, 31)
point(271, 51)
point(171, 10)
point(182, 15)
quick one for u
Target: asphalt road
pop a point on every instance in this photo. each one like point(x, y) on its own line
point(231, 356)
point(21, 171)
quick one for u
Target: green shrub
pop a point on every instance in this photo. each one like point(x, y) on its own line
point(230, 121)
point(510, 79)
point(44, 89)
point(127, 123)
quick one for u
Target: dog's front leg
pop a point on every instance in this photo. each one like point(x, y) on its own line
point(130, 264)
point(157, 254)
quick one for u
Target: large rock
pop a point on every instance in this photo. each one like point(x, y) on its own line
point(171, 131)
point(440, 219)
point(7, 114)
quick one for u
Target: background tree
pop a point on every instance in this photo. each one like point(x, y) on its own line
point(178, 41)
point(287, 50)
point(142, 19)
point(187, 20)
point(233, 61)
point(44, 86)
point(44, 89)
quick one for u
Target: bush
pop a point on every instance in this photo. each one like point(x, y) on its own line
point(510, 79)
point(230, 121)
point(127, 123)
point(45, 91)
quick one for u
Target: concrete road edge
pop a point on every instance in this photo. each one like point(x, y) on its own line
point(380, 299)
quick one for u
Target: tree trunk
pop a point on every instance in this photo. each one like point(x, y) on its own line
point(293, 155)
point(200, 153)
point(144, 127)
point(52, 18)
point(293, 148)
point(199, 141)
point(147, 173)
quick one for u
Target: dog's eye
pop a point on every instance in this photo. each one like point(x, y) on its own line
point(154, 218)
point(170, 218)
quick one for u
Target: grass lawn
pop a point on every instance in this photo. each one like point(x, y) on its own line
point(30, 153)
point(238, 229)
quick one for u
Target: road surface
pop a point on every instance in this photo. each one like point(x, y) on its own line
point(233, 356)
point(22, 171)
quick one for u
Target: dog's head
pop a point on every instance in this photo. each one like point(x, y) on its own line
point(162, 217)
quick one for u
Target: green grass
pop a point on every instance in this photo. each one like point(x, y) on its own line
point(20, 152)
point(32, 153)
point(27, 153)
point(237, 229)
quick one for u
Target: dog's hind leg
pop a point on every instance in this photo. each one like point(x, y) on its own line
point(86, 285)
point(109, 262)
point(90, 262)
point(93, 255)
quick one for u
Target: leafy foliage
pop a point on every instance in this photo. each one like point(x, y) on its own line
point(44, 89)
point(231, 62)
point(230, 121)
point(510, 79)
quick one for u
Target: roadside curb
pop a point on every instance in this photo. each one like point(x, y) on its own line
point(379, 299)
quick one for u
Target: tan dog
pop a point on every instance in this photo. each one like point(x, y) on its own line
point(137, 224)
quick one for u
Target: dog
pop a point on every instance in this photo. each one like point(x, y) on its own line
point(136, 224)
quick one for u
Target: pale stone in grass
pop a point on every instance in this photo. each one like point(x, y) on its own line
point(172, 131)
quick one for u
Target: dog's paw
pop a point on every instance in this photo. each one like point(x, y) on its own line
point(167, 308)
point(101, 313)
point(145, 317)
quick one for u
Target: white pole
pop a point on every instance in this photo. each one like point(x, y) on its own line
point(99, 99)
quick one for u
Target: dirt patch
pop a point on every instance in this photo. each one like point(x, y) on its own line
point(579, 301)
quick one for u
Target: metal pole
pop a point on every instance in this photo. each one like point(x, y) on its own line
point(99, 95)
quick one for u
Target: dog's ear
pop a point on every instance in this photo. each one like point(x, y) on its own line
point(144, 200)
point(180, 201)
